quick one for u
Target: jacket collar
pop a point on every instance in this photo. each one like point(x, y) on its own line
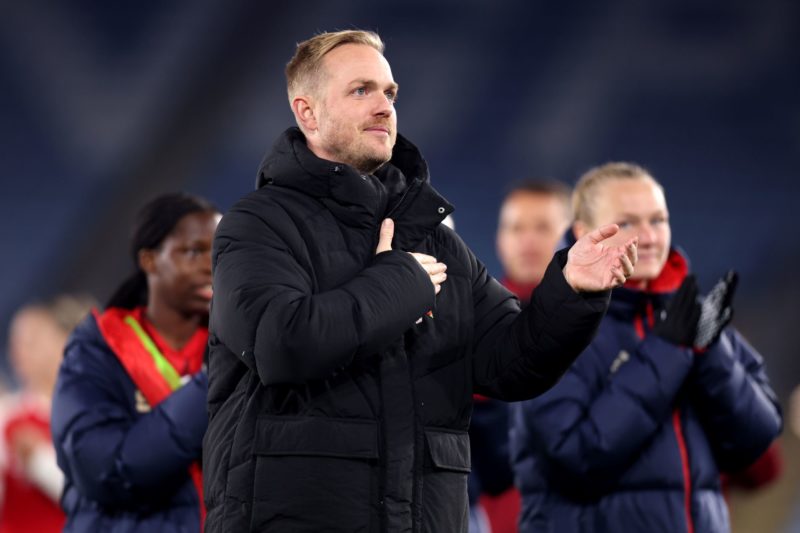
point(400, 189)
point(627, 301)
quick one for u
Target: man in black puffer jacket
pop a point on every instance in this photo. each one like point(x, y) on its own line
point(343, 357)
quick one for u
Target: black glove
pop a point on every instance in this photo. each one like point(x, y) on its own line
point(678, 322)
point(716, 311)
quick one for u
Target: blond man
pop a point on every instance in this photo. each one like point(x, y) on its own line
point(350, 328)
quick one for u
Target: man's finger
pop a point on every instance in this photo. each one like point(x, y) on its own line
point(435, 268)
point(627, 266)
point(438, 279)
point(619, 277)
point(602, 233)
point(385, 236)
point(632, 250)
point(423, 259)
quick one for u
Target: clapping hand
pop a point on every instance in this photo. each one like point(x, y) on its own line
point(716, 311)
point(694, 321)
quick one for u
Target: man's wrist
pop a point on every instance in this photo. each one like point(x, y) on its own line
point(566, 277)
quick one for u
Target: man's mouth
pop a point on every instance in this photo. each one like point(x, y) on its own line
point(378, 129)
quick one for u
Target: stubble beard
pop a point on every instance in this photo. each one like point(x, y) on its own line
point(363, 158)
point(355, 152)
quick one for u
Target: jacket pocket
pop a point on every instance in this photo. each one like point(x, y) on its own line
point(449, 449)
point(444, 498)
point(315, 474)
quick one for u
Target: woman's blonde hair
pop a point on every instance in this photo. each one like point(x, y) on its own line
point(586, 190)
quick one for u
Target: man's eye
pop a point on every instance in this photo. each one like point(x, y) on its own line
point(624, 225)
point(360, 91)
point(391, 96)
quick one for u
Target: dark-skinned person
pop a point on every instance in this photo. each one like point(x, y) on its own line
point(350, 328)
point(129, 406)
point(666, 397)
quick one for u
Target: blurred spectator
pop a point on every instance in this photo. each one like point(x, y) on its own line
point(129, 408)
point(666, 397)
point(32, 482)
point(533, 217)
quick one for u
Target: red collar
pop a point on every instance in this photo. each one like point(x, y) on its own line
point(672, 275)
point(186, 360)
point(139, 365)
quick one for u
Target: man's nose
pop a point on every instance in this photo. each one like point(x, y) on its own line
point(383, 106)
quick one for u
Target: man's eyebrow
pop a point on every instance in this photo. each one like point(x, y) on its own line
point(372, 83)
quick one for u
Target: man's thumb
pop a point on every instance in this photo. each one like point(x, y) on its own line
point(603, 232)
point(385, 237)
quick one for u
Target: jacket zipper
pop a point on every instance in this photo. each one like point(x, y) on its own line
point(687, 475)
point(686, 472)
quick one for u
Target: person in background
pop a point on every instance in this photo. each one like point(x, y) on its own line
point(665, 398)
point(129, 406)
point(31, 480)
point(533, 218)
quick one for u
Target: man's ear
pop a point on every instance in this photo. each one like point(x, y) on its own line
point(304, 110)
point(147, 260)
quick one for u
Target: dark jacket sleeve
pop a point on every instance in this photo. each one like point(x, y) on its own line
point(595, 421)
point(264, 308)
point(112, 455)
point(518, 355)
point(740, 411)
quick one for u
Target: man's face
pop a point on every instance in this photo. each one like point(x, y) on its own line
point(639, 208)
point(530, 227)
point(181, 266)
point(356, 120)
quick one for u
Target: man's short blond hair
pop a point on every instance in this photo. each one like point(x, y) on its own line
point(585, 194)
point(304, 70)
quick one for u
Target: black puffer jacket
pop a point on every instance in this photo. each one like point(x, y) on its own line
point(331, 409)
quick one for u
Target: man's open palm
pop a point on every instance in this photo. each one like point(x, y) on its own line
point(595, 265)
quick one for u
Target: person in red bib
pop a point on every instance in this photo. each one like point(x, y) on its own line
point(31, 482)
point(129, 409)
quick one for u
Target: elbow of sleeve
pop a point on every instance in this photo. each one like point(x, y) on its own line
point(297, 364)
point(761, 434)
point(96, 479)
point(297, 355)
